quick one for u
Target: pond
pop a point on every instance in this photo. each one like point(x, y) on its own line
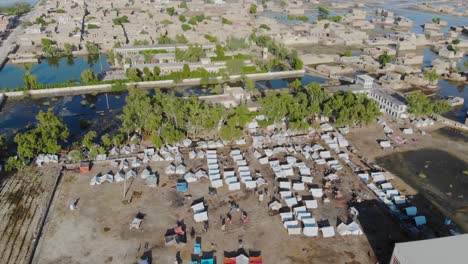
point(52, 71)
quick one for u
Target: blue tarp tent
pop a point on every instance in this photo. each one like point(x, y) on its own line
point(182, 186)
point(197, 249)
point(420, 220)
point(207, 261)
point(411, 211)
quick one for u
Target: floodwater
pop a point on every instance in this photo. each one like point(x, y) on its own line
point(439, 176)
point(53, 71)
point(97, 111)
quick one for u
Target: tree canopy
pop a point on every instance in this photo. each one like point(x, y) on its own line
point(420, 105)
point(46, 137)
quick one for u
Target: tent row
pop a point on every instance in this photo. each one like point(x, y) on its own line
point(391, 197)
point(200, 213)
point(214, 173)
point(243, 170)
point(45, 159)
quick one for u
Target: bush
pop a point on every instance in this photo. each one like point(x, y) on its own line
point(185, 27)
point(226, 21)
point(92, 26)
point(264, 26)
point(211, 39)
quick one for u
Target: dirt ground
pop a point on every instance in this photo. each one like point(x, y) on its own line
point(98, 230)
point(23, 199)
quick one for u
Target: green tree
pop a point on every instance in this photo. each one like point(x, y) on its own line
point(88, 139)
point(431, 75)
point(347, 53)
point(185, 27)
point(170, 11)
point(46, 137)
point(133, 74)
point(75, 155)
point(384, 59)
point(137, 111)
point(419, 104)
point(88, 76)
point(182, 18)
point(29, 80)
point(106, 140)
point(253, 9)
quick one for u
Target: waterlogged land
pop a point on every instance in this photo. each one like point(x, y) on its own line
point(439, 176)
point(23, 199)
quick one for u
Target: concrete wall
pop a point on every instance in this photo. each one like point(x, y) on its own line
point(152, 84)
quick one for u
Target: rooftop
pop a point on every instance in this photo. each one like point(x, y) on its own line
point(438, 250)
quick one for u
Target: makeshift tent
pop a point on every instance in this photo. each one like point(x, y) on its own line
point(316, 191)
point(182, 186)
point(411, 211)
point(145, 173)
point(419, 220)
point(119, 176)
point(200, 217)
point(190, 177)
point(327, 231)
point(151, 180)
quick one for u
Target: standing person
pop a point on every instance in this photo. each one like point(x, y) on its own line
point(223, 224)
point(229, 218)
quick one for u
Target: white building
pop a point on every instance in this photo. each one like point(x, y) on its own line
point(390, 102)
point(450, 249)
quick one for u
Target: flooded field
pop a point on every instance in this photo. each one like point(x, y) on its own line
point(440, 177)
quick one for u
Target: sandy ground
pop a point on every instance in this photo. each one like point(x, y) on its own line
point(23, 199)
point(98, 230)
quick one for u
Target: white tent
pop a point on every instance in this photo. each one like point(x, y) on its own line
point(311, 204)
point(342, 229)
point(217, 183)
point(180, 169)
point(170, 169)
point(190, 177)
point(316, 192)
point(119, 176)
point(310, 231)
point(144, 174)
point(242, 259)
point(291, 160)
point(156, 157)
point(298, 186)
point(250, 184)
point(307, 179)
point(233, 186)
point(325, 154)
point(130, 173)
point(149, 151)
point(187, 142)
point(198, 207)
point(285, 184)
point(200, 217)
point(354, 229)
point(108, 177)
point(408, 131)
point(290, 202)
point(327, 231)
point(275, 206)
point(95, 180)
point(385, 144)
point(123, 165)
point(136, 163)
point(151, 180)
point(200, 174)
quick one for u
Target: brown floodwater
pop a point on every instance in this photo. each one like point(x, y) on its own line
point(438, 175)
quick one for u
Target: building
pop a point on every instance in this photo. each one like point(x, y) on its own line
point(390, 102)
point(450, 249)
